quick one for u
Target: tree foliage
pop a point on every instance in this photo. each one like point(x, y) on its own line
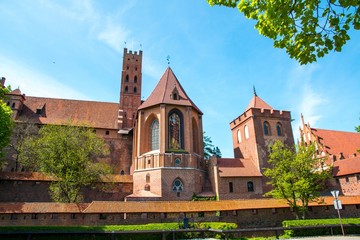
point(307, 29)
point(6, 122)
point(296, 176)
point(68, 154)
point(210, 149)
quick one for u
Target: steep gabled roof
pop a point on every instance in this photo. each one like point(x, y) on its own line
point(347, 166)
point(164, 92)
point(337, 142)
point(236, 167)
point(257, 102)
point(62, 111)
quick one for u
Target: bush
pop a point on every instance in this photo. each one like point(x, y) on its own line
point(326, 230)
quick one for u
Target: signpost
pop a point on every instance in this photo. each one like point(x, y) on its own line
point(338, 206)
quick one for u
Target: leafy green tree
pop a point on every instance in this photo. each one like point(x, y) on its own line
point(6, 121)
point(209, 148)
point(306, 29)
point(69, 154)
point(296, 176)
point(22, 130)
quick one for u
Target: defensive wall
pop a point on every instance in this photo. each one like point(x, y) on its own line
point(246, 213)
point(34, 187)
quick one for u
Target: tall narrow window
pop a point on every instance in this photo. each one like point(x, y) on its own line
point(246, 131)
point(267, 129)
point(175, 130)
point(155, 135)
point(279, 129)
point(250, 186)
point(231, 187)
point(135, 79)
point(127, 78)
point(147, 178)
point(135, 89)
point(126, 89)
point(239, 136)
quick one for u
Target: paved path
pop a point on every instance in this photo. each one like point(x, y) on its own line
point(328, 238)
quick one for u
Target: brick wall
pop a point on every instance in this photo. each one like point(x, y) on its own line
point(38, 191)
point(244, 218)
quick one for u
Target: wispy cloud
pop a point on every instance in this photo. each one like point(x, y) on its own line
point(114, 35)
point(306, 97)
point(35, 83)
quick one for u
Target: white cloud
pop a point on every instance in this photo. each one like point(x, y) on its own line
point(35, 83)
point(114, 35)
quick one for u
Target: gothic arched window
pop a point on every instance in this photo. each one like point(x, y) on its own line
point(135, 89)
point(279, 129)
point(246, 132)
point(177, 185)
point(267, 129)
point(126, 89)
point(135, 79)
point(238, 136)
point(127, 78)
point(175, 130)
point(155, 135)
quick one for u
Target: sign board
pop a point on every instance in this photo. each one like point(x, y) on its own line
point(337, 204)
point(335, 193)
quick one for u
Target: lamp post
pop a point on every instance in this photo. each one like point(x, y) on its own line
point(337, 205)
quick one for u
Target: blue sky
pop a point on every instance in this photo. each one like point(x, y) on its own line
point(73, 49)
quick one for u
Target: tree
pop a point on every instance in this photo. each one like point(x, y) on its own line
point(68, 154)
point(6, 122)
point(210, 149)
point(306, 29)
point(296, 176)
point(22, 130)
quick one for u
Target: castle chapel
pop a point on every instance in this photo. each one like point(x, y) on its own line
point(158, 142)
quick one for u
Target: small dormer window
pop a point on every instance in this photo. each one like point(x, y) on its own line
point(38, 111)
point(175, 94)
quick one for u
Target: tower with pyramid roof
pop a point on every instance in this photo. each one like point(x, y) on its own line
point(168, 144)
point(255, 130)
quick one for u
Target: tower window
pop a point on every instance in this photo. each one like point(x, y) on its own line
point(239, 136)
point(279, 129)
point(126, 89)
point(155, 135)
point(147, 187)
point(147, 178)
point(231, 187)
point(177, 162)
point(135, 89)
point(135, 79)
point(175, 130)
point(250, 186)
point(267, 129)
point(246, 131)
point(13, 105)
point(107, 132)
point(177, 185)
point(127, 78)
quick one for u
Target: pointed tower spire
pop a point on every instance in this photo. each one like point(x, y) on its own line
point(254, 91)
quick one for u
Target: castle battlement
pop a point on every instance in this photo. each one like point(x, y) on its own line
point(131, 52)
point(257, 112)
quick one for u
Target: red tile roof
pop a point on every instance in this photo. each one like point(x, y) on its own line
point(257, 102)
point(43, 207)
point(160, 206)
point(38, 176)
point(163, 93)
point(347, 166)
point(337, 142)
point(60, 111)
point(236, 167)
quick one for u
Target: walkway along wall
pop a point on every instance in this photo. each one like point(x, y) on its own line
point(246, 213)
